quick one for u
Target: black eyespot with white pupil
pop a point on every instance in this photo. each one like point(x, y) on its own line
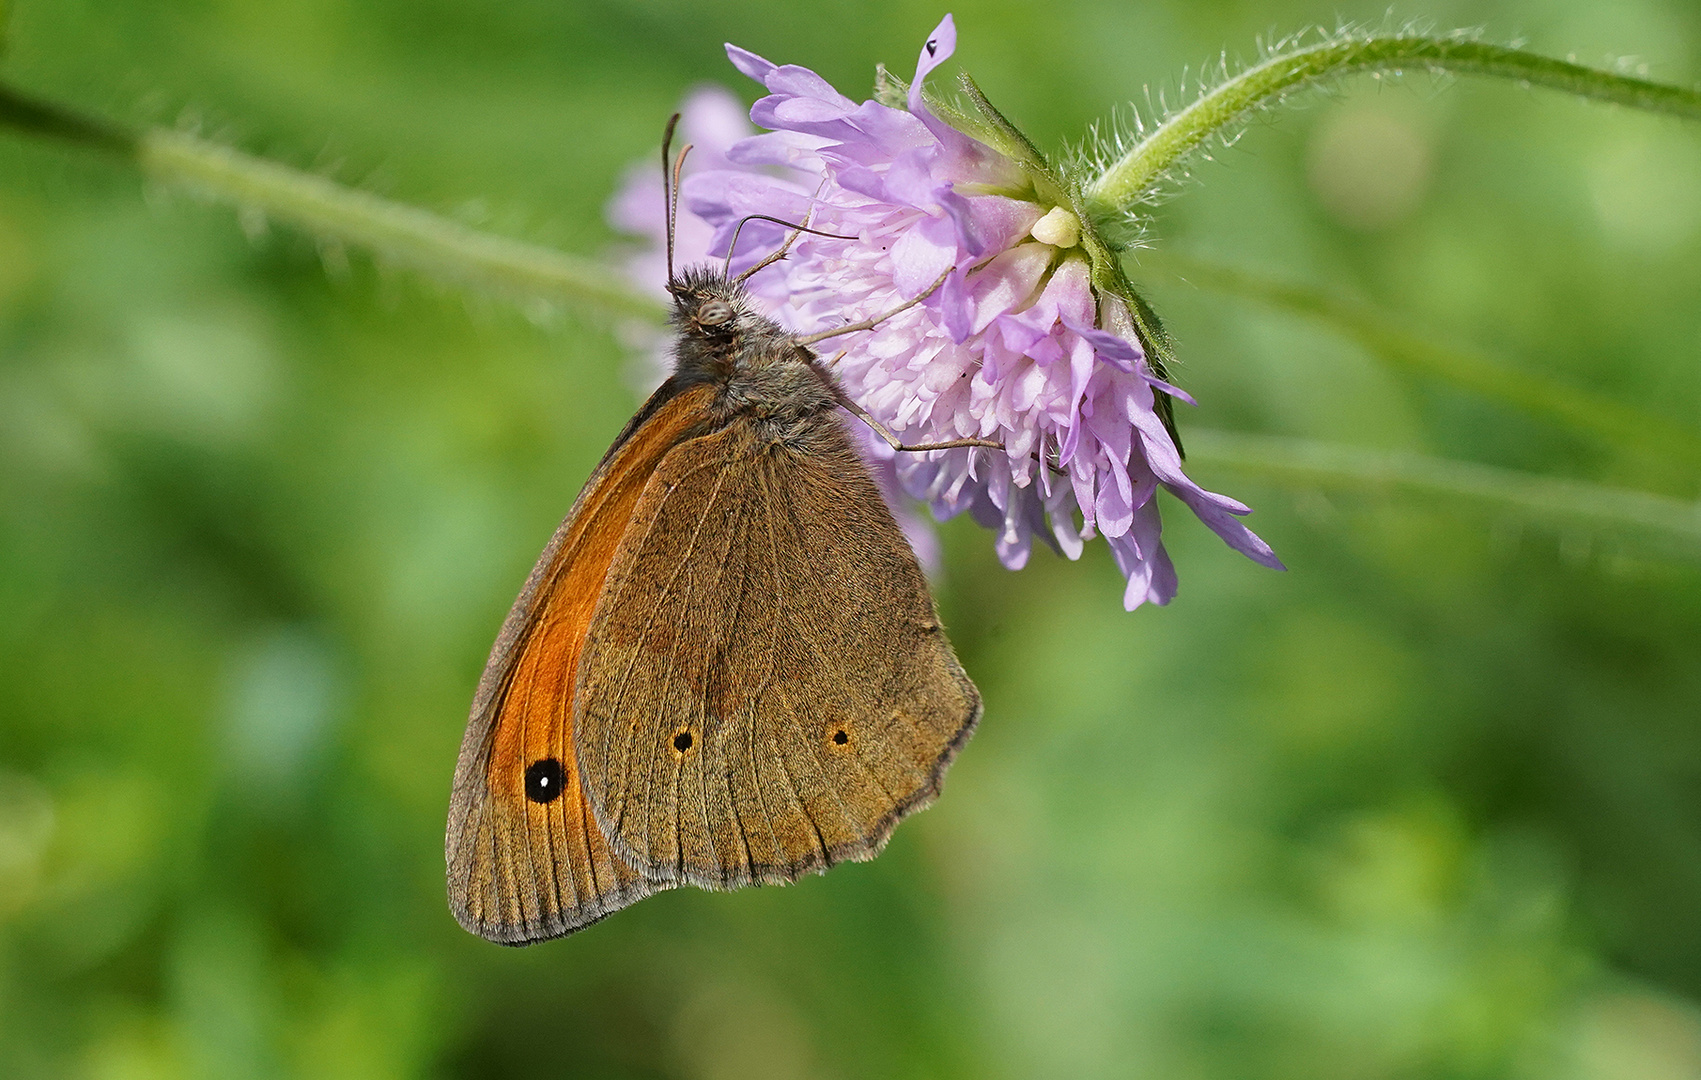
point(544, 780)
point(714, 313)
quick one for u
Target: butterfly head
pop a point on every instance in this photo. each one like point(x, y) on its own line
point(722, 338)
point(707, 305)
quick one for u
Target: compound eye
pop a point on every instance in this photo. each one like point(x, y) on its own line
point(714, 313)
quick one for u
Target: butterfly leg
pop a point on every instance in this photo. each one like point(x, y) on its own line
point(915, 448)
point(869, 324)
point(784, 249)
point(862, 414)
point(892, 440)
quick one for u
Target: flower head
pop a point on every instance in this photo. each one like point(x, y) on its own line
point(1013, 344)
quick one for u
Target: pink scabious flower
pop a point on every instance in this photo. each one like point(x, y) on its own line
point(1015, 346)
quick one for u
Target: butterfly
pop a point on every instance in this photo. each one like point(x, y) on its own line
point(726, 668)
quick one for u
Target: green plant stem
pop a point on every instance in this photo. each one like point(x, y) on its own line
point(1302, 462)
point(334, 213)
point(395, 231)
point(1133, 177)
point(1388, 338)
point(47, 119)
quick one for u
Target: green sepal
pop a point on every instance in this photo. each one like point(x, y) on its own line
point(1109, 277)
point(1007, 139)
point(985, 124)
point(1160, 357)
point(1107, 272)
point(1049, 186)
point(889, 90)
point(894, 93)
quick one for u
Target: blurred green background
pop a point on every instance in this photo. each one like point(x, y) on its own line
point(1428, 805)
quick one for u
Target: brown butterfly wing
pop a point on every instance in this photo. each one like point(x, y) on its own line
point(520, 869)
point(765, 689)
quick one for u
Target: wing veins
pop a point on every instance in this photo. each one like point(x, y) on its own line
point(703, 706)
point(789, 508)
point(702, 700)
point(821, 658)
point(726, 778)
point(626, 676)
point(773, 645)
point(780, 609)
point(525, 811)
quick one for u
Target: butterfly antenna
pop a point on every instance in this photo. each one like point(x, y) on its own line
point(670, 201)
point(795, 228)
point(673, 204)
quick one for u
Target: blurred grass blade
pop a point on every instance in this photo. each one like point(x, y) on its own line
point(1389, 338)
point(1674, 523)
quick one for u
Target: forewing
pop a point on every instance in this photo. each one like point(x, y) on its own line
point(520, 868)
point(765, 688)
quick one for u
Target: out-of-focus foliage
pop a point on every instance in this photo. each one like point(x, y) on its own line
point(1427, 805)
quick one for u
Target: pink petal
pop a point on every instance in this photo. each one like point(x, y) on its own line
point(749, 63)
point(922, 254)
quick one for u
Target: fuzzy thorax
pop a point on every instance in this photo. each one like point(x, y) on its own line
point(760, 370)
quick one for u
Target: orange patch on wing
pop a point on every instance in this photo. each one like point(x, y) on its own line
point(567, 874)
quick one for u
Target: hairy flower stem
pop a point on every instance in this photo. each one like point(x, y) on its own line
point(1132, 178)
point(397, 232)
point(337, 214)
point(50, 120)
